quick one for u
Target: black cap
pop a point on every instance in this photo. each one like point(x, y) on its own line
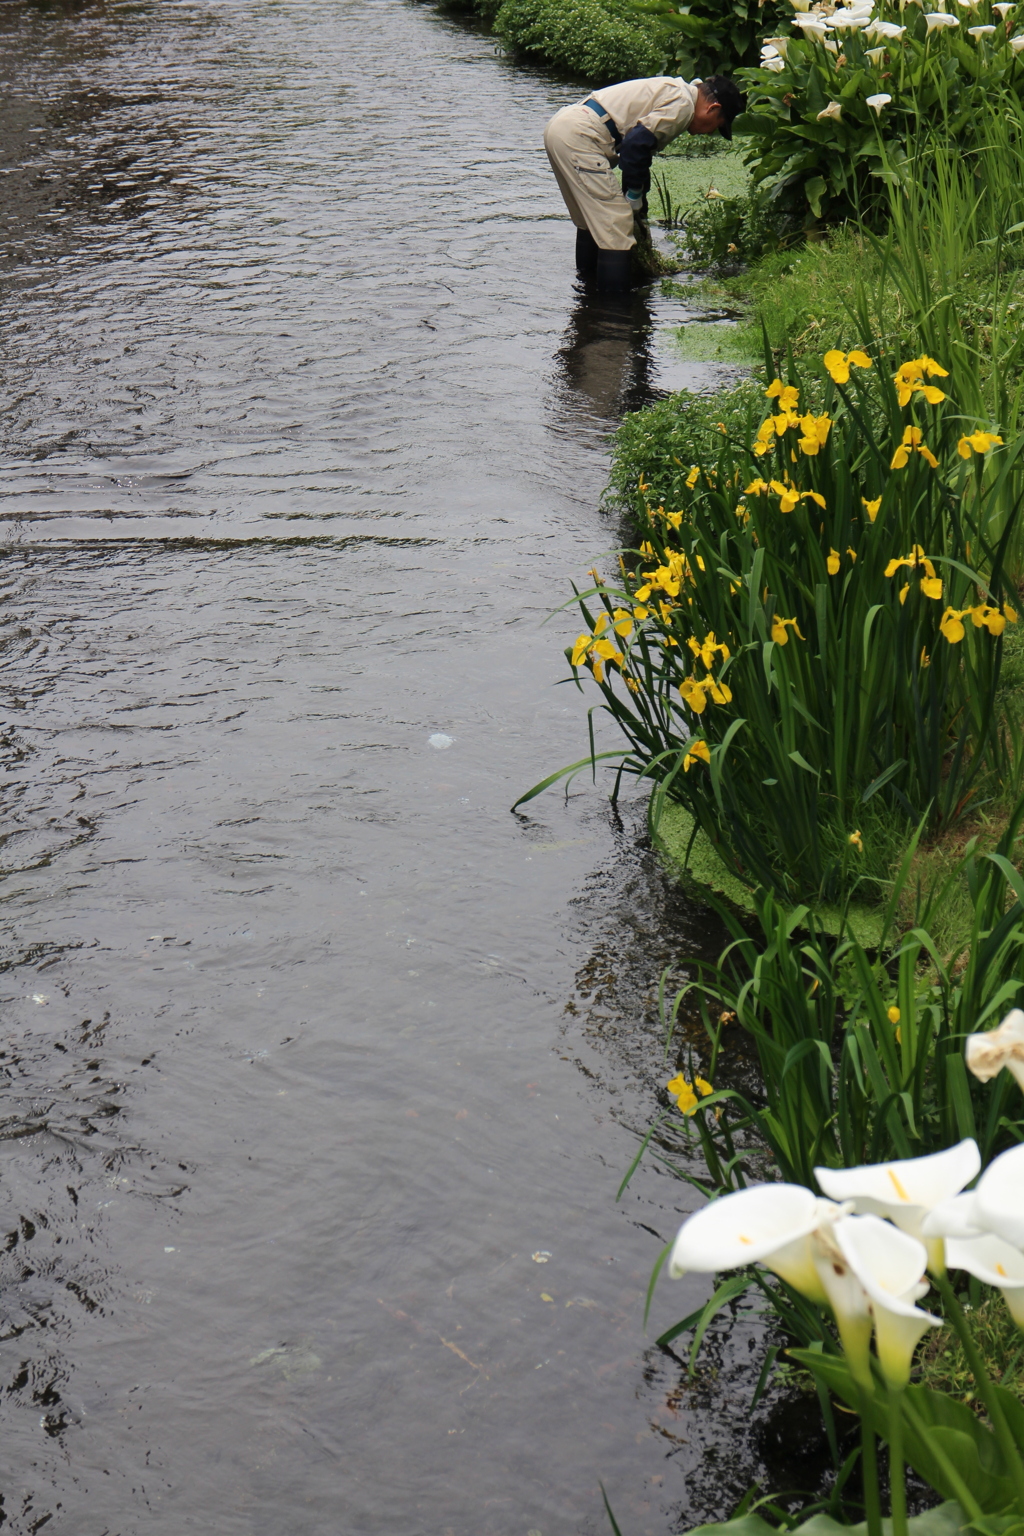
point(728, 97)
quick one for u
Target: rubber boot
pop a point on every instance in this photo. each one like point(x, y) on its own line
point(614, 271)
point(586, 253)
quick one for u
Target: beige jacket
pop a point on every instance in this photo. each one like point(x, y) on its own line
point(663, 105)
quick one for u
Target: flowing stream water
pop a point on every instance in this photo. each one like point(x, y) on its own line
point(320, 1069)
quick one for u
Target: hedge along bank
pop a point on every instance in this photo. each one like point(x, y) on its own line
point(805, 649)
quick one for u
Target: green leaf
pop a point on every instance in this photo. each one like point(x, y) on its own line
point(946, 1519)
point(947, 1433)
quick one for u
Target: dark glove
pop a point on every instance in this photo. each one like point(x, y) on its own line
point(636, 152)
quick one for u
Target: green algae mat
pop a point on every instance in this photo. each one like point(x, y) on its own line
point(704, 872)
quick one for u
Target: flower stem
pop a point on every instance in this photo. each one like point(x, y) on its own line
point(983, 1381)
point(869, 1466)
point(897, 1476)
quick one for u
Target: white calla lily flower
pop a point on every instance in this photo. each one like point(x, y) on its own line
point(876, 103)
point(1004, 7)
point(955, 1217)
point(812, 25)
point(876, 55)
point(884, 29)
point(844, 20)
point(935, 20)
point(999, 1197)
point(994, 1262)
point(769, 1224)
point(834, 111)
point(979, 31)
point(1017, 43)
point(987, 1054)
point(780, 44)
point(906, 1190)
point(889, 1265)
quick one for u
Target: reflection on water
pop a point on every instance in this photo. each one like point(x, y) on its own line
point(304, 434)
point(608, 362)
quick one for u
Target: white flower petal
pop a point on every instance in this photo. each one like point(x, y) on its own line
point(1004, 7)
point(1017, 43)
point(979, 31)
point(999, 1197)
point(884, 29)
point(994, 1262)
point(939, 19)
point(834, 110)
point(889, 1265)
point(906, 1189)
point(743, 1228)
point(956, 1217)
point(876, 103)
point(986, 1054)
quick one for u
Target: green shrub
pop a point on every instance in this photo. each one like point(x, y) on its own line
point(703, 37)
point(598, 42)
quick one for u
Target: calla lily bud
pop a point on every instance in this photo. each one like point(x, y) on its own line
point(988, 1053)
point(889, 1266)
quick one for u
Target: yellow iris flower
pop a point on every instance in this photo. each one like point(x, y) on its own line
point(991, 618)
point(838, 364)
point(684, 1095)
point(708, 649)
point(917, 560)
point(977, 442)
point(856, 841)
point(581, 648)
point(909, 380)
point(785, 394)
point(693, 695)
point(763, 440)
point(693, 477)
point(832, 563)
point(790, 497)
point(912, 441)
point(815, 431)
point(871, 507)
point(623, 623)
point(950, 624)
point(779, 627)
point(982, 615)
point(697, 752)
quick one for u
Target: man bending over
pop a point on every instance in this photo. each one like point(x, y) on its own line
point(626, 125)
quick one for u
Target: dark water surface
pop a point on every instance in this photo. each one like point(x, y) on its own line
point(308, 1046)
